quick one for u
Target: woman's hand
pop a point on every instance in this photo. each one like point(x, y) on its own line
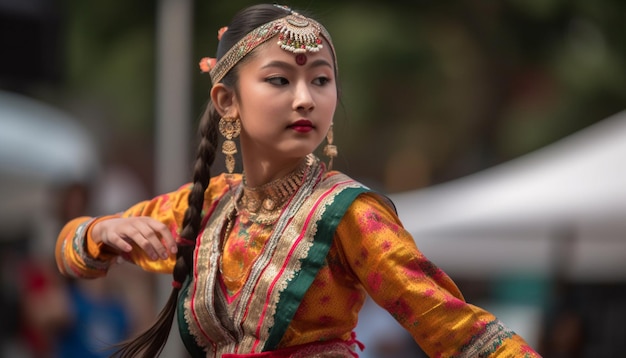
point(150, 235)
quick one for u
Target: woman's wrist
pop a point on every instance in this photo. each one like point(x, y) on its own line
point(93, 240)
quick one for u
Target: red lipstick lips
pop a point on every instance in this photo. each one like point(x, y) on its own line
point(302, 126)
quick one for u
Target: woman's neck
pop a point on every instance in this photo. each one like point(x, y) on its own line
point(259, 172)
point(264, 203)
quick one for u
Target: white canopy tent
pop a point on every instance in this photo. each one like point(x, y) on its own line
point(40, 146)
point(561, 207)
point(42, 142)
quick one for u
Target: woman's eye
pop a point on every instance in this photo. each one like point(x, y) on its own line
point(278, 81)
point(320, 81)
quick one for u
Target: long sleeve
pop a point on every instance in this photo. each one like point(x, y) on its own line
point(77, 255)
point(415, 292)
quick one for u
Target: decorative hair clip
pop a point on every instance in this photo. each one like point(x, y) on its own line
point(207, 63)
point(284, 7)
point(220, 32)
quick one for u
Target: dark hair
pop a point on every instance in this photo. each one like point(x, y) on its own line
point(151, 342)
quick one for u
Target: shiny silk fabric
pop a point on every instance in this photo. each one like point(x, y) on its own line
point(253, 316)
point(370, 253)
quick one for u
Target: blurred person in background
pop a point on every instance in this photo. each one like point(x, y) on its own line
point(64, 317)
point(45, 314)
point(99, 314)
point(278, 261)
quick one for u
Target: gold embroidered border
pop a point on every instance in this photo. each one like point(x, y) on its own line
point(266, 296)
point(234, 326)
point(201, 295)
point(486, 343)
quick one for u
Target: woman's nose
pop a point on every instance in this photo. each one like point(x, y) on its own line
point(303, 97)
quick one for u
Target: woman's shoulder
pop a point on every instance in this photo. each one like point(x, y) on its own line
point(218, 186)
point(221, 184)
point(224, 180)
point(368, 198)
point(335, 177)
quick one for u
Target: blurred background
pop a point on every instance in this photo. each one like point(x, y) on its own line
point(496, 127)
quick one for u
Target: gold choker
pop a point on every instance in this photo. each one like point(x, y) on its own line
point(265, 203)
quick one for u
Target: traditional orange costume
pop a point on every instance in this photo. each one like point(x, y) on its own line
point(301, 280)
point(283, 270)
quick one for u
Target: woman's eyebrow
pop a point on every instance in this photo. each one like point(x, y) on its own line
point(320, 62)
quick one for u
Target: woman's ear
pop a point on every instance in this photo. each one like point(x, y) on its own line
point(223, 100)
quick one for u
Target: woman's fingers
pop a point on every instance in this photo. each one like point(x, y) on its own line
point(165, 236)
point(152, 236)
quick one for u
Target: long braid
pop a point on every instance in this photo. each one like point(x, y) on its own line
point(151, 342)
point(201, 176)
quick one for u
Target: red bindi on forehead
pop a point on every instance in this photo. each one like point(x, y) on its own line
point(301, 59)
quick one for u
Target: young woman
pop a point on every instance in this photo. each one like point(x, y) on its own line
point(276, 262)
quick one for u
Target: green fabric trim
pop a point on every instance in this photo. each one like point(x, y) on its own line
point(291, 297)
point(190, 343)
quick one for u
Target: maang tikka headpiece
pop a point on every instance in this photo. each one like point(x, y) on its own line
point(296, 34)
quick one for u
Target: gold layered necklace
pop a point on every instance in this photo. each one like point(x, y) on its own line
point(262, 205)
point(265, 203)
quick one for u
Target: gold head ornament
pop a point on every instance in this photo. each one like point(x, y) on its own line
point(296, 33)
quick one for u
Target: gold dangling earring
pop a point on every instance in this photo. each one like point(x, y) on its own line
point(330, 150)
point(230, 128)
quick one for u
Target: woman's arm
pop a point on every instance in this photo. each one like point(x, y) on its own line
point(145, 234)
point(420, 296)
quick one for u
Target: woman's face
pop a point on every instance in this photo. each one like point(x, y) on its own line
point(286, 107)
